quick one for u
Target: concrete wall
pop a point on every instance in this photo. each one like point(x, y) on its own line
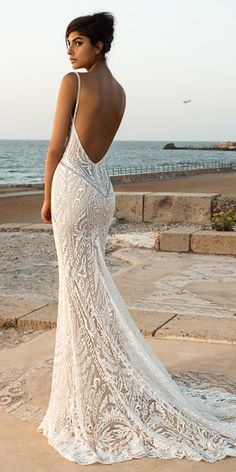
point(153, 176)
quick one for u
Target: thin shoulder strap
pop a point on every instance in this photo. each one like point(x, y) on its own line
point(78, 95)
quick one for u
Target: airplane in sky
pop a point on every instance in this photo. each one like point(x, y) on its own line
point(187, 101)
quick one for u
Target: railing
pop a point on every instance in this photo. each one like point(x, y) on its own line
point(170, 167)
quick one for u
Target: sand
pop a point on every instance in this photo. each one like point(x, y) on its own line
point(223, 182)
point(27, 208)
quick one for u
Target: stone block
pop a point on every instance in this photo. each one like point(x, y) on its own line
point(129, 206)
point(176, 239)
point(214, 242)
point(45, 317)
point(176, 207)
point(11, 311)
point(38, 227)
point(149, 321)
point(200, 327)
point(13, 226)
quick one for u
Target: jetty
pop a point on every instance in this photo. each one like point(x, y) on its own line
point(223, 146)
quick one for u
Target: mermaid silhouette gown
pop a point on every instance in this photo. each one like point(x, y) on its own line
point(111, 398)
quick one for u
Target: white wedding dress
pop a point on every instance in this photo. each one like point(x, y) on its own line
point(111, 398)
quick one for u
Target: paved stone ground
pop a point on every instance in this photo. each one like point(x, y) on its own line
point(173, 297)
point(169, 294)
point(29, 267)
point(27, 371)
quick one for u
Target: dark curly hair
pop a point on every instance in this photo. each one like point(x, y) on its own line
point(98, 27)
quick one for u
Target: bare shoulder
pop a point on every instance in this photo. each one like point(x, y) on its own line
point(119, 85)
point(69, 84)
point(70, 78)
point(122, 91)
point(123, 95)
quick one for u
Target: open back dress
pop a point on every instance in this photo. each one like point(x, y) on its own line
point(111, 397)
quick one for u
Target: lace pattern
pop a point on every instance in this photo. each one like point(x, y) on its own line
point(111, 398)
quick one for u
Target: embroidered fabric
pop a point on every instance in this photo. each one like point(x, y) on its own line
point(111, 398)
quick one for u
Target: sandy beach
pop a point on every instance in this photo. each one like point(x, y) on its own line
point(26, 208)
point(222, 182)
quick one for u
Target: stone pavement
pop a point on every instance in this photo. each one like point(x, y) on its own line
point(173, 297)
point(169, 294)
point(28, 375)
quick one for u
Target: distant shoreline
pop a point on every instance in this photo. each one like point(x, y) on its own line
point(223, 146)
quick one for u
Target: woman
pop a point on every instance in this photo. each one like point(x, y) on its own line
point(111, 398)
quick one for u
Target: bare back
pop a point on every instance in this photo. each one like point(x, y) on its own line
point(100, 111)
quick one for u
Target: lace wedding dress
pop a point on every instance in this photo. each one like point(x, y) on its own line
point(111, 398)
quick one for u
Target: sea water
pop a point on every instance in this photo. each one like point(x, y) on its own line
point(23, 161)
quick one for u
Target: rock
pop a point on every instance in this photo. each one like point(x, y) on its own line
point(169, 146)
point(148, 240)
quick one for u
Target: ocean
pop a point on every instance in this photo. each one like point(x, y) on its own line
point(23, 161)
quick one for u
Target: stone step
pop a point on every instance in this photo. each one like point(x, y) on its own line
point(214, 242)
point(202, 328)
point(197, 241)
point(151, 323)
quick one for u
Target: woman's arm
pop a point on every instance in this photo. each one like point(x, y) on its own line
point(58, 141)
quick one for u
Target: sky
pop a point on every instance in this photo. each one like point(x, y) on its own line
point(163, 52)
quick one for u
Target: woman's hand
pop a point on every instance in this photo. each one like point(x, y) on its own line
point(46, 212)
